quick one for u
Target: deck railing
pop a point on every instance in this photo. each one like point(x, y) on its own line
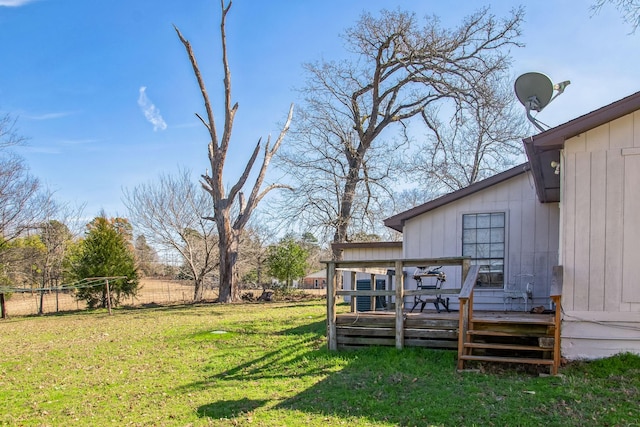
point(396, 287)
point(556, 297)
point(466, 309)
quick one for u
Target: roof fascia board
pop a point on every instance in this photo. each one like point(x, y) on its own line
point(554, 138)
point(396, 222)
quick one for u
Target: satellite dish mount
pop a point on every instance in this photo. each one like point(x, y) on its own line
point(535, 91)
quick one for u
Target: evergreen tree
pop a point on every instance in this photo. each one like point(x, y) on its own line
point(106, 251)
point(287, 260)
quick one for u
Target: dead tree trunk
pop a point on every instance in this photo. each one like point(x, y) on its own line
point(230, 229)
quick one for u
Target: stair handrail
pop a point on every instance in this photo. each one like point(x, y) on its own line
point(556, 296)
point(466, 309)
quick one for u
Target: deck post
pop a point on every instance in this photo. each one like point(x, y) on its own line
point(466, 264)
point(556, 297)
point(331, 306)
point(466, 309)
point(373, 288)
point(399, 305)
point(462, 331)
point(353, 288)
point(387, 299)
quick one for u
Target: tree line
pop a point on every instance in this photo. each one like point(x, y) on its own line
point(410, 110)
point(402, 79)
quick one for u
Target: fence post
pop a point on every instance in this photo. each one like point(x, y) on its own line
point(108, 296)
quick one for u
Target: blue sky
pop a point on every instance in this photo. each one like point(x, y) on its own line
point(104, 91)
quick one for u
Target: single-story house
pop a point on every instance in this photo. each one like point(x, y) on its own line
point(316, 280)
point(575, 203)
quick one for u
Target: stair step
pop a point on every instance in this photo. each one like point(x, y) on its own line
point(519, 321)
point(506, 334)
point(494, 346)
point(507, 359)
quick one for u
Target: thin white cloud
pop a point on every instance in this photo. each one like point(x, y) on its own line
point(77, 141)
point(60, 146)
point(15, 3)
point(150, 111)
point(48, 116)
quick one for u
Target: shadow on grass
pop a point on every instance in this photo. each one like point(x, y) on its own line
point(292, 371)
point(384, 385)
point(316, 328)
point(229, 408)
point(299, 357)
point(377, 384)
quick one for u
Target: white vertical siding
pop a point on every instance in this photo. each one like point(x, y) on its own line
point(367, 253)
point(531, 244)
point(631, 221)
point(601, 239)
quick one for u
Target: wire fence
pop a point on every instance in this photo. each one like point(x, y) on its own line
point(152, 291)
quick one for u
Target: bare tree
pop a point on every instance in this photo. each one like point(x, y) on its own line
point(231, 210)
point(399, 69)
point(322, 164)
point(23, 202)
point(629, 9)
point(146, 257)
point(253, 253)
point(171, 213)
point(480, 140)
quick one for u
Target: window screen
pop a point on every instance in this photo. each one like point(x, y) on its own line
point(483, 237)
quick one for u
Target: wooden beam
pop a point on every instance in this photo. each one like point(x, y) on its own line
point(466, 264)
point(466, 310)
point(391, 263)
point(556, 281)
point(462, 332)
point(353, 288)
point(365, 293)
point(372, 303)
point(331, 306)
point(469, 281)
point(557, 348)
point(445, 291)
point(399, 304)
point(556, 297)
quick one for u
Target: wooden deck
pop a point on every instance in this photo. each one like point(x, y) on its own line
point(435, 330)
point(501, 337)
point(432, 329)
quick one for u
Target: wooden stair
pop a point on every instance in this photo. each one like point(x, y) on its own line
point(523, 340)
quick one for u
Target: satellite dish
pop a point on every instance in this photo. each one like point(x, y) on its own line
point(535, 91)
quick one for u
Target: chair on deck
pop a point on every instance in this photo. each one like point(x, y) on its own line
point(521, 289)
point(429, 273)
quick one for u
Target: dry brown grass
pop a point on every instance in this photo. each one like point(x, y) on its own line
point(152, 291)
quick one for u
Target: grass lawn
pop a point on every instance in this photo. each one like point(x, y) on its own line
point(267, 365)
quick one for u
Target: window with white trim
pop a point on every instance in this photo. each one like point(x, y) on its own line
point(483, 239)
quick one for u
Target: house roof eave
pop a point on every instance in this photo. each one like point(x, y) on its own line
point(544, 148)
point(367, 245)
point(396, 222)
